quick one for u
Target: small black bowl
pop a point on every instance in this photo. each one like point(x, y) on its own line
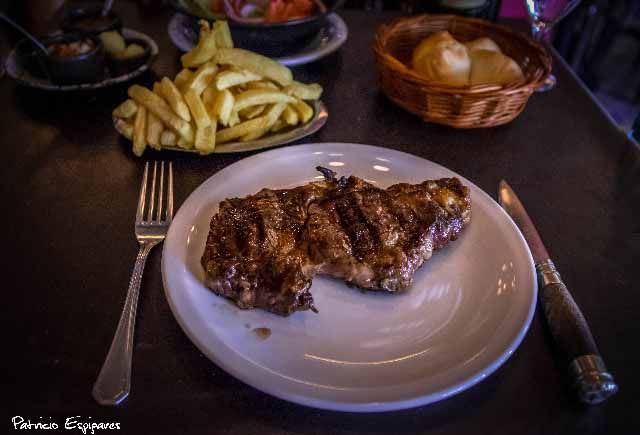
point(85, 18)
point(31, 59)
point(273, 39)
point(118, 67)
point(84, 68)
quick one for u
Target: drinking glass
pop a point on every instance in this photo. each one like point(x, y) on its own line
point(544, 14)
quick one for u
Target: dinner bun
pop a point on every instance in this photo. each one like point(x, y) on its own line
point(482, 44)
point(493, 67)
point(441, 58)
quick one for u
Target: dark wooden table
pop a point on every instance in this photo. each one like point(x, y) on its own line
point(69, 187)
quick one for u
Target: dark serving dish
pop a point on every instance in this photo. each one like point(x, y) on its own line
point(273, 39)
point(31, 59)
point(83, 68)
point(119, 67)
point(85, 18)
point(23, 66)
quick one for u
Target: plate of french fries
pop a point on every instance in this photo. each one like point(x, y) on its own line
point(224, 100)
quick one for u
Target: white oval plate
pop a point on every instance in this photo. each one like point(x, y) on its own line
point(467, 311)
point(16, 72)
point(328, 40)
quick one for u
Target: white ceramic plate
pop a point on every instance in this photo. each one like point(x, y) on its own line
point(332, 36)
point(466, 313)
point(18, 73)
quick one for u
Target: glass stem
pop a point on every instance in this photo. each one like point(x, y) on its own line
point(539, 31)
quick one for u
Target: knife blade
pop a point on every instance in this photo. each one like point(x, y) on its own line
point(571, 334)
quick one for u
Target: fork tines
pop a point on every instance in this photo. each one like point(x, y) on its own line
point(156, 210)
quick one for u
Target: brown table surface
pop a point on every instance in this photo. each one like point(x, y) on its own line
point(69, 187)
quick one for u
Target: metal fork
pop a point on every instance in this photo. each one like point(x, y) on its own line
point(114, 381)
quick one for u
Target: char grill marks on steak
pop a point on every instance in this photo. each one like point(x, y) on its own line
point(376, 239)
point(254, 253)
point(263, 250)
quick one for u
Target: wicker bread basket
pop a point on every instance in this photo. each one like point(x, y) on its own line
point(461, 107)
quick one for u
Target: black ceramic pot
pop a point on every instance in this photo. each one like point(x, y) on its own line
point(31, 59)
point(84, 68)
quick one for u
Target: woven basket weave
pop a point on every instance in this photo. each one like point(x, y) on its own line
point(476, 106)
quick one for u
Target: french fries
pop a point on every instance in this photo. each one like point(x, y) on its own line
point(183, 78)
point(222, 34)
point(304, 110)
point(222, 94)
point(254, 63)
point(203, 76)
point(208, 44)
point(223, 106)
point(198, 111)
point(126, 109)
point(279, 125)
point(154, 130)
point(234, 118)
point(227, 79)
point(304, 92)
point(124, 128)
point(252, 112)
point(139, 138)
point(168, 139)
point(290, 116)
point(172, 95)
point(272, 116)
point(208, 96)
point(204, 50)
point(241, 129)
point(253, 97)
point(155, 104)
point(185, 144)
point(262, 85)
point(206, 138)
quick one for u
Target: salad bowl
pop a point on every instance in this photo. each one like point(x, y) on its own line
point(255, 31)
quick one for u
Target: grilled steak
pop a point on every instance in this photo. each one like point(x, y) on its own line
point(263, 250)
point(255, 253)
point(377, 239)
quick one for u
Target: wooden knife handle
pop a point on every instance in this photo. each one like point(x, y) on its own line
point(573, 339)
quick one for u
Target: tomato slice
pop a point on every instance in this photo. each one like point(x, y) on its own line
point(216, 6)
point(284, 10)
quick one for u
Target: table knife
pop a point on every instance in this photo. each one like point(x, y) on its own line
point(571, 334)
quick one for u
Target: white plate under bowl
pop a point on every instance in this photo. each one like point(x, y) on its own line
point(328, 40)
point(466, 313)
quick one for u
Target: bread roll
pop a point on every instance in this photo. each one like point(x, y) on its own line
point(493, 67)
point(441, 58)
point(482, 44)
point(430, 42)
